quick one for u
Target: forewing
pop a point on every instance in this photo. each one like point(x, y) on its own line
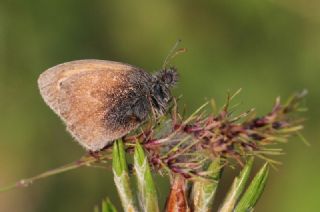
point(50, 81)
point(80, 93)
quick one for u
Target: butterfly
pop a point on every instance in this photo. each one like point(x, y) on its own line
point(100, 101)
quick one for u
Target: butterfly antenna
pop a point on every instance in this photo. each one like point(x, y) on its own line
point(173, 53)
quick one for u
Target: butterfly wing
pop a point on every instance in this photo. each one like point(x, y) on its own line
point(84, 94)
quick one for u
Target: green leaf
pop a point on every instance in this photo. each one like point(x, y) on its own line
point(146, 187)
point(107, 206)
point(254, 191)
point(119, 162)
point(203, 190)
point(237, 188)
point(121, 176)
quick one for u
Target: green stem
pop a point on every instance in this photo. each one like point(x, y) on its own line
point(84, 161)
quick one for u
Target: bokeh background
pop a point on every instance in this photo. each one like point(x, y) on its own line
point(268, 48)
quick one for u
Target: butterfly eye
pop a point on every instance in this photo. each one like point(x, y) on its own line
point(167, 79)
point(168, 76)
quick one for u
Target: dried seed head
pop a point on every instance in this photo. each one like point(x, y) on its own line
point(186, 145)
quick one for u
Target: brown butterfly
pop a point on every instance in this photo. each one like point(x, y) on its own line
point(101, 101)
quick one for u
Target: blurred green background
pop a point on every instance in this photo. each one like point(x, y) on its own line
point(268, 48)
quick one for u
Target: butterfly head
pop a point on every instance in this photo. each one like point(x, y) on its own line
point(163, 80)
